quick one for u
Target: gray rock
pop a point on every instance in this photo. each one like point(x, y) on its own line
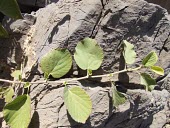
point(145, 25)
point(63, 24)
point(144, 109)
point(36, 3)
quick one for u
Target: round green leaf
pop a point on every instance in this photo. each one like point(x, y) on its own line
point(56, 63)
point(78, 103)
point(157, 70)
point(129, 52)
point(10, 8)
point(88, 55)
point(148, 81)
point(150, 59)
point(18, 112)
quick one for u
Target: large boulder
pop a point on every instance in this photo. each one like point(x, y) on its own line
point(63, 24)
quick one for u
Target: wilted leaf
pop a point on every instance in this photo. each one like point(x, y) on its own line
point(56, 63)
point(129, 52)
point(88, 55)
point(148, 81)
point(9, 94)
point(150, 59)
point(10, 8)
point(18, 112)
point(117, 97)
point(157, 70)
point(3, 32)
point(78, 103)
point(16, 74)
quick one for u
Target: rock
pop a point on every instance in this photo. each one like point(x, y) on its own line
point(143, 24)
point(163, 3)
point(146, 109)
point(164, 82)
point(63, 24)
point(36, 3)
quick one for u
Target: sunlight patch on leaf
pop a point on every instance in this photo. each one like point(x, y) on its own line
point(78, 103)
point(56, 63)
point(129, 52)
point(88, 55)
point(157, 70)
point(17, 75)
point(118, 98)
point(150, 59)
point(9, 94)
point(147, 81)
point(18, 112)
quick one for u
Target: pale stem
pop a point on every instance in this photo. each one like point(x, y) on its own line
point(73, 79)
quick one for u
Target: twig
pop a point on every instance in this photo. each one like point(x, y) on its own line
point(70, 80)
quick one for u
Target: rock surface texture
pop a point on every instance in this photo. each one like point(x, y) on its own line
point(64, 23)
point(163, 3)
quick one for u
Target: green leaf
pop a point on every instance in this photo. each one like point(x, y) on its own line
point(3, 32)
point(10, 8)
point(9, 94)
point(148, 81)
point(16, 74)
point(129, 52)
point(89, 71)
point(88, 55)
point(27, 85)
point(18, 112)
point(78, 103)
point(56, 63)
point(150, 59)
point(157, 70)
point(117, 97)
point(2, 91)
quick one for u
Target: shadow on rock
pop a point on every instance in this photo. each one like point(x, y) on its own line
point(35, 121)
point(123, 77)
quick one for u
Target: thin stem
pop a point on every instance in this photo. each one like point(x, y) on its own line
point(107, 75)
point(70, 80)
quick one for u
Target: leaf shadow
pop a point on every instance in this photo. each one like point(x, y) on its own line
point(35, 123)
point(123, 77)
point(115, 118)
point(75, 124)
point(56, 28)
